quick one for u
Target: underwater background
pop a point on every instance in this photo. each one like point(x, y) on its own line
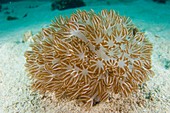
point(20, 20)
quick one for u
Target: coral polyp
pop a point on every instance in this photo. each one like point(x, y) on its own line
point(89, 56)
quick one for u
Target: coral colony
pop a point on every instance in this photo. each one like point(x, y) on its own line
point(89, 56)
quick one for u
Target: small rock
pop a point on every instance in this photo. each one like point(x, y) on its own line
point(160, 1)
point(9, 18)
point(25, 15)
point(66, 4)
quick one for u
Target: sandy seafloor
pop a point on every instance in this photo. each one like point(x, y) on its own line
point(15, 93)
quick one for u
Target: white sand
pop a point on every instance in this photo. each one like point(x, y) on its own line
point(15, 94)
